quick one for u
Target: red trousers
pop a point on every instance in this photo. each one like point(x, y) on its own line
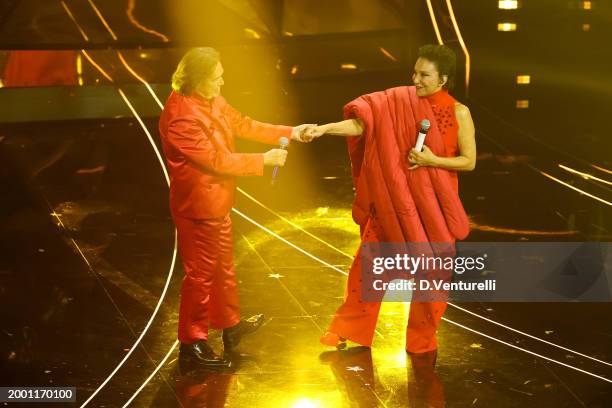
point(356, 320)
point(209, 296)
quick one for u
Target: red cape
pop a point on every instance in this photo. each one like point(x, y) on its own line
point(419, 205)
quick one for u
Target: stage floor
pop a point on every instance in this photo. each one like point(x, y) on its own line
point(87, 251)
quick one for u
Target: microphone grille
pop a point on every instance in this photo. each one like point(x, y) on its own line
point(425, 124)
point(284, 142)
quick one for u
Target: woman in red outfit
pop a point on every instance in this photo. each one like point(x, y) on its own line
point(398, 188)
point(197, 128)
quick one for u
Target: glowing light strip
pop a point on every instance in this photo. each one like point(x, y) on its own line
point(275, 235)
point(294, 225)
point(585, 175)
point(99, 68)
point(159, 366)
point(594, 197)
point(138, 77)
point(74, 21)
point(174, 252)
point(521, 231)
point(387, 54)
point(463, 46)
point(102, 19)
point(529, 335)
point(528, 351)
point(139, 339)
point(532, 167)
point(79, 69)
point(130, 14)
point(602, 169)
point(433, 21)
point(157, 153)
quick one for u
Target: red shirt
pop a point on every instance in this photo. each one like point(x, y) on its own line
point(198, 141)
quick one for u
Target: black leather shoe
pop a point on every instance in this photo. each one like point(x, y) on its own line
point(233, 335)
point(201, 354)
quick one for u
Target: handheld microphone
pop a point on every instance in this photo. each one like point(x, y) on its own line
point(283, 143)
point(422, 133)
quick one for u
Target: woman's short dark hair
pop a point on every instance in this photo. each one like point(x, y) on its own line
point(197, 65)
point(445, 60)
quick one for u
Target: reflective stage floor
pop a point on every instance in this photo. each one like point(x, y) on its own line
point(88, 267)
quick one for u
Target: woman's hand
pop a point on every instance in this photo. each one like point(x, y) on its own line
point(421, 159)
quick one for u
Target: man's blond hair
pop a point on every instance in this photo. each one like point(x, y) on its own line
point(197, 65)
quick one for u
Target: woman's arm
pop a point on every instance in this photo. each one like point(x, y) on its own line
point(466, 160)
point(349, 127)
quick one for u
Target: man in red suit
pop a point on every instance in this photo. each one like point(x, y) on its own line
point(197, 128)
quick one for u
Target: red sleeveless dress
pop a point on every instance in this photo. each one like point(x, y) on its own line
point(355, 319)
point(443, 107)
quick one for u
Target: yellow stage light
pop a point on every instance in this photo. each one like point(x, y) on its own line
point(506, 27)
point(586, 5)
point(250, 33)
point(523, 79)
point(348, 66)
point(586, 27)
point(522, 104)
point(507, 4)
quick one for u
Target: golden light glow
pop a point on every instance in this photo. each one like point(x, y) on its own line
point(462, 43)
point(434, 22)
point(601, 169)
point(506, 27)
point(522, 104)
point(586, 27)
point(348, 66)
point(74, 21)
point(288, 34)
point(294, 70)
point(138, 77)
point(594, 197)
point(305, 403)
point(98, 67)
point(507, 4)
point(586, 5)
point(523, 79)
point(584, 175)
point(250, 33)
point(79, 69)
point(513, 231)
point(102, 19)
point(136, 23)
point(387, 54)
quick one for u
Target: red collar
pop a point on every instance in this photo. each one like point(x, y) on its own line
point(440, 98)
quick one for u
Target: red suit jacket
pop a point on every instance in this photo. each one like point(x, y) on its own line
point(419, 205)
point(198, 141)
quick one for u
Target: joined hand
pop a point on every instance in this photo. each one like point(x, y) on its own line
point(301, 133)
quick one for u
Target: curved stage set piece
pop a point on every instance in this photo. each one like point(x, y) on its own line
point(92, 268)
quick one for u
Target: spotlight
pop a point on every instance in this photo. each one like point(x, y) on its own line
point(506, 27)
point(523, 79)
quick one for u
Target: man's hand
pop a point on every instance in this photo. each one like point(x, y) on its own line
point(301, 133)
point(419, 159)
point(275, 157)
